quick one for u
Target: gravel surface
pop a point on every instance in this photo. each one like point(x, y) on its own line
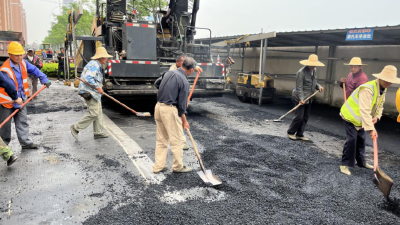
point(267, 178)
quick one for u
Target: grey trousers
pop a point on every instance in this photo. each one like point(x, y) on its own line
point(94, 115)
point(21, 125)
point(33, 82)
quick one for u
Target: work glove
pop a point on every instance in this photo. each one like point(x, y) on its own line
point(48, 83)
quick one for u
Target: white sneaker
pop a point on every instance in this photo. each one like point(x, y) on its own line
point(302, 138)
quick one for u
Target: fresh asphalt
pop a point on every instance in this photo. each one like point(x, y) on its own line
point(267, 178)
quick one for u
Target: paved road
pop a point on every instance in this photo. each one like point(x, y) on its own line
point(267, 178)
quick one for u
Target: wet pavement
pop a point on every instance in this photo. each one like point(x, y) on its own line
point(267, 178)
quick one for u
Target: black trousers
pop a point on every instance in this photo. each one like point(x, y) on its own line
point(300, 119)
point(60, 69)
point(354, 148)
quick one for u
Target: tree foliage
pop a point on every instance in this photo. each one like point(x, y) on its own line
point(59, 27)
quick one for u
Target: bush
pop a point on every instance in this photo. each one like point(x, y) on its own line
point(51, 69)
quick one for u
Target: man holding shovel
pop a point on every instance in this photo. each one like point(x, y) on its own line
point(177, 65)
point(170, 118)
point(17, 69)
point(360, 112)
point(306, 85)
point(93, 74)
point(355, 78)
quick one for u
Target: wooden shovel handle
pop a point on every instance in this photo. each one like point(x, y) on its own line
point(115, 100)
point(195, 150)
point(298, 105)
point(344, 91)
point(194, 85)
point(375, 143)
point(22, 106)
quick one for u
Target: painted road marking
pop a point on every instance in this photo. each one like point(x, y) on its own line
point(141, 160)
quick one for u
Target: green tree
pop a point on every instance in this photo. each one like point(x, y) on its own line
point(58, 28)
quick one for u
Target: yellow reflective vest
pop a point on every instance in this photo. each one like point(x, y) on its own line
point(351, 109)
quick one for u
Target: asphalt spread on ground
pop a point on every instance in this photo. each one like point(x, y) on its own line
point(267, 179)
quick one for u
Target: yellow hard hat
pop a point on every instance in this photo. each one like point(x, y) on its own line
point(15, 48)
point(398, 104)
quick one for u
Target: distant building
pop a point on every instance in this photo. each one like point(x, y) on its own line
point(13, 17)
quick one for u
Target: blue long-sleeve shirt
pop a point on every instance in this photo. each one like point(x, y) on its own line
point(32, 70)
point(9, 86)
point(93, 74)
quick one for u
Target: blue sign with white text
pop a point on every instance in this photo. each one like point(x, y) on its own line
point(360, 35)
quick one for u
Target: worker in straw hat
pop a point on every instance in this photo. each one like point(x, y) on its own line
point(306, 85)
point(93, 74)
point(360, 112)
point(356, 76)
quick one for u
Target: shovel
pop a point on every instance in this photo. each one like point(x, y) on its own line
point(297, 106)
point(381, 180)
point(206, 175)
point(344, 91)
point(191, 91)
point(141, 114)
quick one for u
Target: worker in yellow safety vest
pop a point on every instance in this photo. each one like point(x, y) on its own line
point(360, 112)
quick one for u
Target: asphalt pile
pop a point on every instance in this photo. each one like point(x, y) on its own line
point(266, 179)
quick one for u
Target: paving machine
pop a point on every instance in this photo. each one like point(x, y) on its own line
point(143, 50)
point(248, 88)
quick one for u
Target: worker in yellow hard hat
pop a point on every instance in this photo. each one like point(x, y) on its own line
point(17, 70)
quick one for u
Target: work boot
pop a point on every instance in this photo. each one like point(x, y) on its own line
point(184, 169)
point(302, 138)
point(185, 147)
point(12, 160)
point(345, 170)
point(368, 166)
point(292, 136)
point(31, 146)
point(163, 170)
point(74, 132)
point(98, 136)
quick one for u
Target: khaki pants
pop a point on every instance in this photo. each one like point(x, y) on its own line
point(94, 115)
point(169, 130)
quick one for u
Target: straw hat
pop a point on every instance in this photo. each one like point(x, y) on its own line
point(101, 52)
point(312, 61)
point(355, 61)
point(388, 74)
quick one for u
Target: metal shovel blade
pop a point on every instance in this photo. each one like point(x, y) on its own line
point(212, 178)
point(143, 114)
point(383, 182)
point(203, 176)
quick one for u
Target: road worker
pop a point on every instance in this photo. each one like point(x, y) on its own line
point(17, 70)
point(93, 74)
point(360, 112)
point(178, 64)
point(170, 118)
point(306, 85)
point(356, 76)
point(34, 60)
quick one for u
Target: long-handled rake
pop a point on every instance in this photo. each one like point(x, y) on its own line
point(206, 175)
point(141, 114)
point(297, 106)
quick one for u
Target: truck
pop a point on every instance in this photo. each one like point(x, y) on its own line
point(143, 50)
point(5, 38)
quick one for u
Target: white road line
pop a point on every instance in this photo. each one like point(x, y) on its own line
point(141, 160)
